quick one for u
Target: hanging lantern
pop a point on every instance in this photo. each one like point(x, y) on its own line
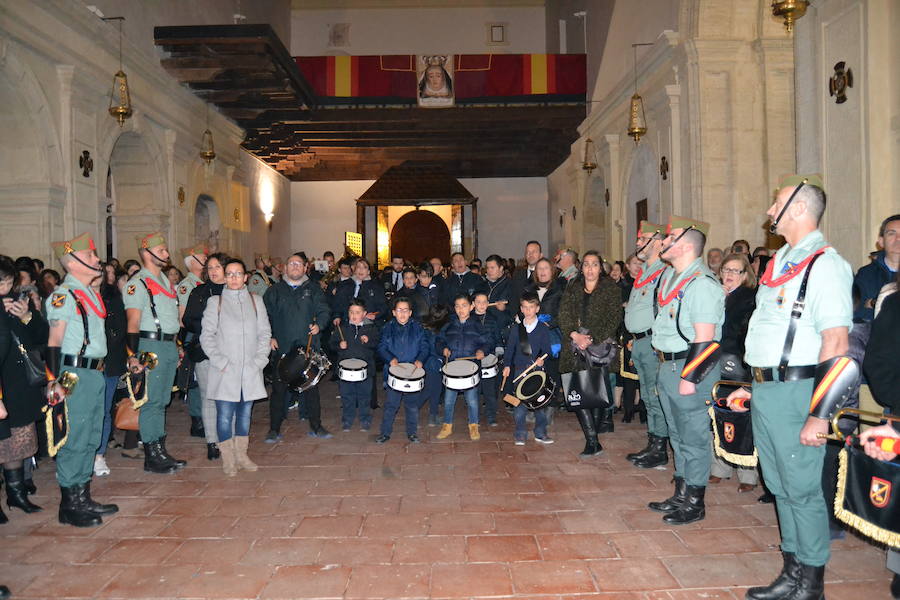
point(207, 149)
point(589, 162)
point(790, 11)
point(637, 122)
point(119, 96)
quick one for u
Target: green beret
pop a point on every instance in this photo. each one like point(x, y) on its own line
point(814, 179)
point(648, 227)
point(82, 242)
point(684, 223)
point(152, 240)
point(196, 250)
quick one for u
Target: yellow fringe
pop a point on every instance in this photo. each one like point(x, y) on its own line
point(622, 371)
point(885, 536)
point(52, 449)
point(741, 460)
point(136, 403)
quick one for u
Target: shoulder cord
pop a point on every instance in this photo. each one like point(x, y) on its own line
point(796, 313)
point(656, 295)
point(680, 302)
point(86, 341)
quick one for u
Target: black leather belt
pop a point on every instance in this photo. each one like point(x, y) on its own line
point(80, 362)
point(764, 374)
point(639, 336)
point(667, 356)
point(163, 337)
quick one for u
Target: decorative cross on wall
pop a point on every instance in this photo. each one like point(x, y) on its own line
point(86, 163)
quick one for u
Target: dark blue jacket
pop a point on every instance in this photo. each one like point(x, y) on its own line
point(869, 280)
point(456, 284)
point(540, 345)
point(490, 328)
point(370, 291)
point(434, 362)
point(292, 310)
point(463, 339)
point(356, 348)
point(407, 343)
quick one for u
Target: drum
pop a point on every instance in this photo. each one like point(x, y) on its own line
point(301, 372)
point(535, 390)
point(865, 500)
point(733, 436)
point(461, 374)
point(490, 366)
point(353, 369)
point(406, 377)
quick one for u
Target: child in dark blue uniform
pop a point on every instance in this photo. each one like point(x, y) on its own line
point(537, 344)
point(488, 322)
point(360, 338)
point(433, 323)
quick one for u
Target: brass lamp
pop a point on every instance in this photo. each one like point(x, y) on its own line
point(637, 121)
point(119, 96)
point(589, 162)
point(790, 11)
point(207, 149)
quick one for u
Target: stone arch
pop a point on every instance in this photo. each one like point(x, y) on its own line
point(643, 184)
point(207, 221)
point(419, 235)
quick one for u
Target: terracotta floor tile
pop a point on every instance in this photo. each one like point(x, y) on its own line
point(280, 487)
point(397, 487)
point(118, 526)
point(168, 489)
point(450, 486)
point(69, 581)
point(139, 551)
point(20, 577)
point(548, 577)
point(389, 581)
point(567, 546)
point(149, 582)
point(718, 540)
point(354, 551)
point(591, 522)
point(724, 570)
point(16, 547)
point(527, 523)
point(854, 565)
point(501, 548)
point(309, 506)
point(212, 552)
point(429, 504)
point(131, 507)
point(859, 589)
point(364, 505)
point(430, 549)
point(67, 550)
point(198, 527)
point(638, 544)
point(395, 525)
point(227, 581)
point(494, 503)
point(630, 574)
point(196, 507)
point(349, 487)
point(307, 582)
point(468, 581)
point(263, 527)
point(283, 552)
point(342, 526)
point(249, 506)
point(461, 523)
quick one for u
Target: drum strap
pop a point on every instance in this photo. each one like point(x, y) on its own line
point(524, 344)
point(796, 313)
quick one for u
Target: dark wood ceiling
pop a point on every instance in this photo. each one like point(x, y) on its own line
point(247, 73)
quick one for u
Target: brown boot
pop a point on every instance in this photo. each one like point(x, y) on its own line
point(227, 450)
point(446, 430)
point(473, 432)
point(240, 453)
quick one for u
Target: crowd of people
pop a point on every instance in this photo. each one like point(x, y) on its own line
point(647, 336)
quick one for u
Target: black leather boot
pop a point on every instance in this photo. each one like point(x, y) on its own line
point(155, 461)
point(197, 429)
point(212, 451)
point(4, 592)
point(643, 452)
point(30, 487)
point(642, 412)
point(3, 517)
point(96, 507)
point(16, 494)
point(72, 510)
point(783, 584)
point(810, 583)
point(592, 445)
point(177, 461)
point(658, 455)
point(673, 502)
point(691, 510)
point(604, 420)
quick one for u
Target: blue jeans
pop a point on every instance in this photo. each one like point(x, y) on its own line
point(236, 413)
point(111, 383)
point(488, 388)
point(540, 422)
point(356, 396)
point(432, 392)
point(392, 405)
point(471, 396)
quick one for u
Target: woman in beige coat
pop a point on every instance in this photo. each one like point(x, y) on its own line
point(235, 336)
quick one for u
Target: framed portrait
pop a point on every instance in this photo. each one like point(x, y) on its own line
point(435, 76)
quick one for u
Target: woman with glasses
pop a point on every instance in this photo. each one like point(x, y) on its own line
point(235, 336)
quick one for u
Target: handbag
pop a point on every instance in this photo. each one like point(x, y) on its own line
point(35, 367)
point(598, 354)
point(587, 389)
point(127, 418)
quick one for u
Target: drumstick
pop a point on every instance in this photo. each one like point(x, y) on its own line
point(341, 332)
point(503, 383)
point(466, 358)
point(308, 344)
point(739, 402)
point(533, 365)
point(886, 444)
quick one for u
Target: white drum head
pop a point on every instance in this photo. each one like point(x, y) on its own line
point(489, 361)
point(407, 371)
point(460, 368)
point(352, 364)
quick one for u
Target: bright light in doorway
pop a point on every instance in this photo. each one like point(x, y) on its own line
point(266, 198)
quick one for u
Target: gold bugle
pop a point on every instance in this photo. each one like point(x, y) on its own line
point(67, 380)
point(148, 359)
point(734, 384)
point(836, 432)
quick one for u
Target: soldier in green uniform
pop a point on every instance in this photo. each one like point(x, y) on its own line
point(686, 331)
point(77, 343)
point(260, 280)
point(794, 346)
point(640, 312)
point(194, 262)
point(151, 306)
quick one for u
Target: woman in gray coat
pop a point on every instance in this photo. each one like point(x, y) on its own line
point(235, 336)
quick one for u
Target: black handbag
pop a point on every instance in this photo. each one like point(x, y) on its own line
point(35, 367)
point(587, 389)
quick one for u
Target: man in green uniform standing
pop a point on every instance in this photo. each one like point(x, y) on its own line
point(686, 331)
point(260, 280)
point(640, 312)
point(151, 306)
point(194, 262)
point(77, 344)
point(792, 344)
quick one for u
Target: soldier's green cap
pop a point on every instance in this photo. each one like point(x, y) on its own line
point(648, 227)
point(152, 240)
point(683, 223)
point(196, 250)
point(82, 242)
point(262, 257)
point(814, 179)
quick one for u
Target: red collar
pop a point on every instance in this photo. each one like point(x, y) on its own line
point(83, 299)
point(792, 272)
point(155, 288)
point(638, 283)
point(673, 293)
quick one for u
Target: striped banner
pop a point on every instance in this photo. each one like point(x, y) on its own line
point(539, 73)
point(342, 76)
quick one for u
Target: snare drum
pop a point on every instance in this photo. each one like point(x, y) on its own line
point(535, 390)
point(406, 377)
point(489, 367)
point(353, 369)
point(461, 374)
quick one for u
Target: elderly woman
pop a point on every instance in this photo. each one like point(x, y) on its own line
point(235, 337)
point(590, 312)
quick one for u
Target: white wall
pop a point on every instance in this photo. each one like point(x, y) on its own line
point(424, 30)
point(510, 212)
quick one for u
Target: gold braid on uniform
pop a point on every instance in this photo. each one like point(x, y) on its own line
point(866, 528)
point(742, 460)
point(52, 448)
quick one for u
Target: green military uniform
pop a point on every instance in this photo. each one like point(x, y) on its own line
point(699, 299)
point(791, 470)
point(639, 320)
point(259, 282)
point(146, 292)
point(75, 460)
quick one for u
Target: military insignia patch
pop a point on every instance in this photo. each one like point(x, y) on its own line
point(58, 300)
point(880, 492)
point(182, 289)
point(729, 432)
point(131, 289)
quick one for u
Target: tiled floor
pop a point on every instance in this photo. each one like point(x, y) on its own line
point(347, 518)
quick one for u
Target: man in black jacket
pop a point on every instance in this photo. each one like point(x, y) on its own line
point(296, 306)
point(460, 280)
point(521, 277)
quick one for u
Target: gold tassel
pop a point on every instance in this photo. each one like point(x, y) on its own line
point(885, 536)
point(52, 449)
point(136, 403)
point(741, 460)
point(622, 371)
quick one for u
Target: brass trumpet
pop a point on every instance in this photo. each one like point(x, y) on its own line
point(67, 380)
point(148, 360)
point(836, 432)
point(733, 385)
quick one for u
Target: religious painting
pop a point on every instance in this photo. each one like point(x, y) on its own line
point(435, 76)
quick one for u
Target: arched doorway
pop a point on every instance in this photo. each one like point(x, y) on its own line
point(134, 198)
point(642, 199)
point(420, 234)
point(207, 223)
